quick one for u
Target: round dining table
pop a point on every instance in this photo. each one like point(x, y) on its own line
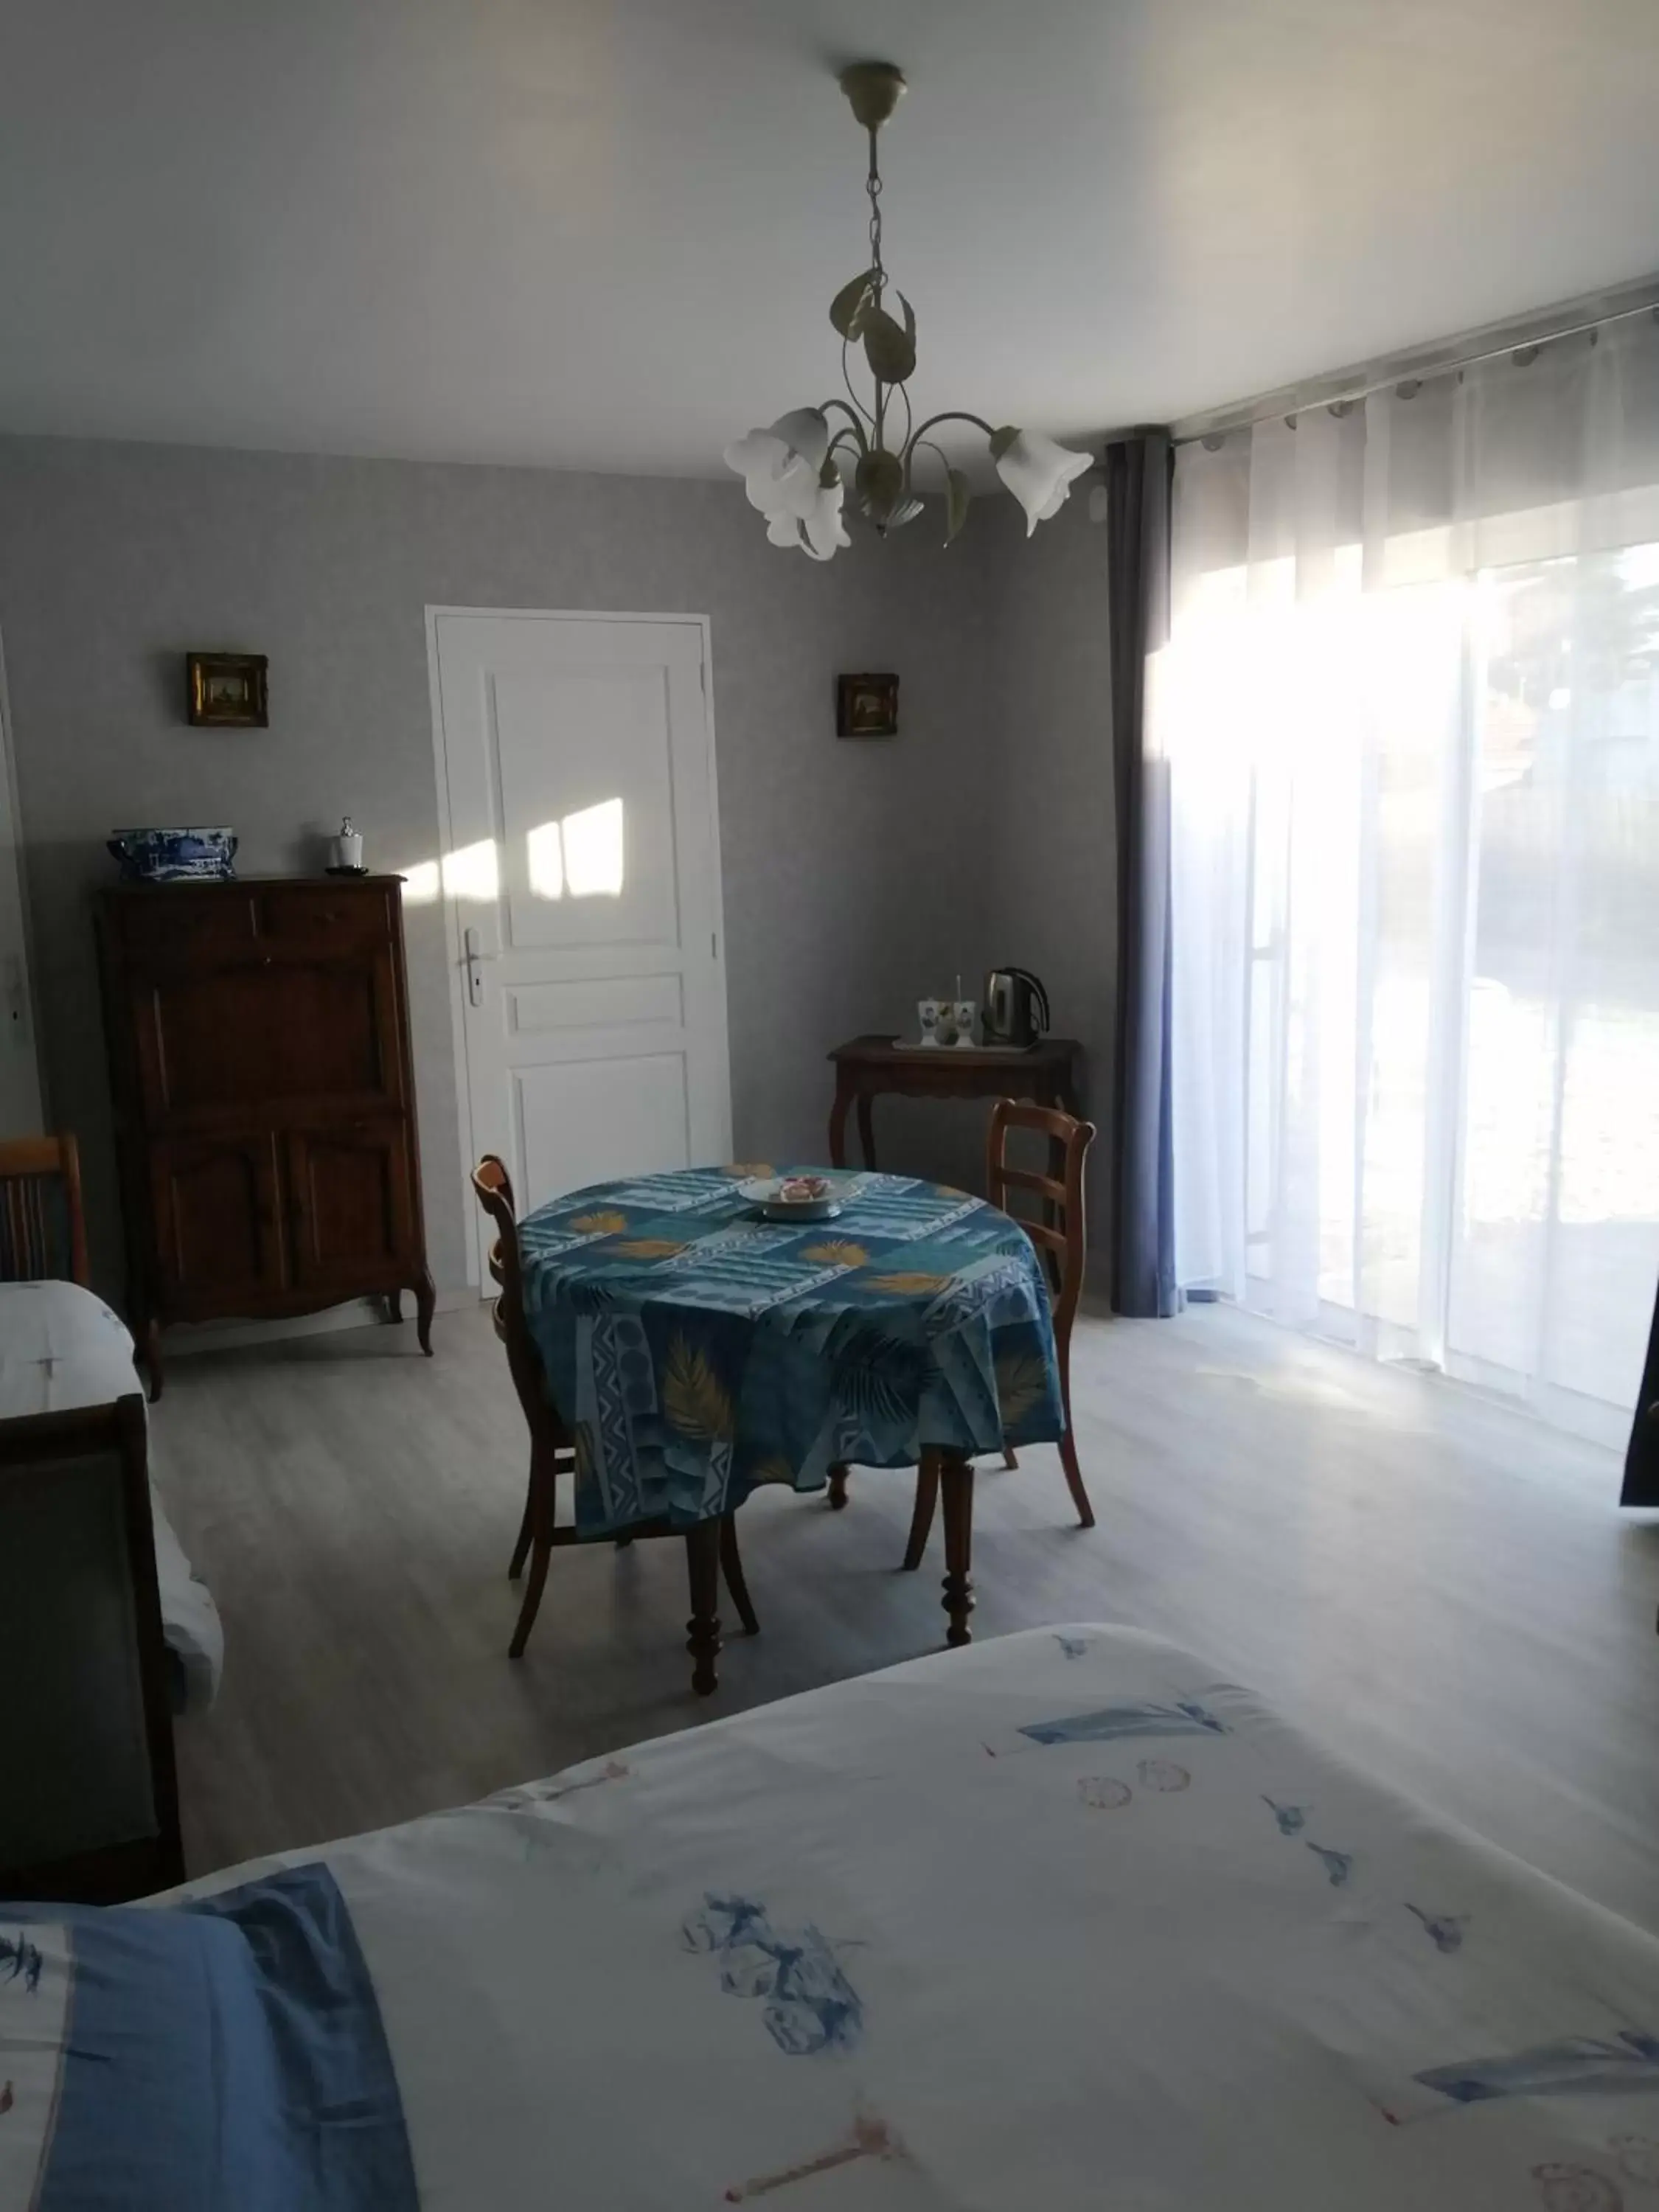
point(696, 1350)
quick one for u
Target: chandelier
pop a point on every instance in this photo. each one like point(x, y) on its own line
point(792, 472)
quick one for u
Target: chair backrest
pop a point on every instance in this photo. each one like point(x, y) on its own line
point(1060, 1234)
point(89, 1808)
point(493, 1187)
point(42, 1231)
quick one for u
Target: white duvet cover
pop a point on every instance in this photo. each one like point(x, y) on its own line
point(61, 1347)
point(1057, 1921)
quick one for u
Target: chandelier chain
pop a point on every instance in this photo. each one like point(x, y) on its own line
point(873, 187)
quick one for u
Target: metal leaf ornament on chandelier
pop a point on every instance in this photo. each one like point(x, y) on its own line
point(792, 471)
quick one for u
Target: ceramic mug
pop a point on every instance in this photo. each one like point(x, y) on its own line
point(927, 1016)
point(962, 1020)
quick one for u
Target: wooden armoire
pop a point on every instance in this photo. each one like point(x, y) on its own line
point(264, 1101)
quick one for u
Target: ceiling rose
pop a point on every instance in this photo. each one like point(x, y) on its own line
point(792, 472)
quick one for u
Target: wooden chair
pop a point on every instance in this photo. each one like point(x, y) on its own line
point(89, 1809)
point(711, 1547)
point(1062, 1238)
point(42, 1231)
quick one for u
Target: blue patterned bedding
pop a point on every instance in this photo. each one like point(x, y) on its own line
point(1063, 1920)
point(228, 2053)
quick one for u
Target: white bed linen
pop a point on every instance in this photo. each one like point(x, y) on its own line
point(61, 1347)
point(1191, 1960)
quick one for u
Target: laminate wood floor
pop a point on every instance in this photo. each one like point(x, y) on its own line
point(1434, 1584)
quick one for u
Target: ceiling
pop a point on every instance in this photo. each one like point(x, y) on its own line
point(605, 235)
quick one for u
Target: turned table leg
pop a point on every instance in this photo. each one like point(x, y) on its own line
point(702, 1630)
point(957, 1487)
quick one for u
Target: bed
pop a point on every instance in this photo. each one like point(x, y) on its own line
point(1061, 1920)
point(60, 1347)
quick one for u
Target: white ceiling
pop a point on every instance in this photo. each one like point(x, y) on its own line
point(604, 235)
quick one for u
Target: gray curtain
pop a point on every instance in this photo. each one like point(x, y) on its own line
point(1140, 471)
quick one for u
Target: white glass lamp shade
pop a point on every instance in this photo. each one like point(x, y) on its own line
point(779, 466)
point(1039, 473)
point(818, 532)
point(783, 473)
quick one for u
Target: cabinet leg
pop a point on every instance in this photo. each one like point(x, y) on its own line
point(426, 1303)
point(152, 1341)
point(957, 1481)
point(394, 1306)
point(702, 1630)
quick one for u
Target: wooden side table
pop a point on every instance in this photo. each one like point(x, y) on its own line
point(868, 1065)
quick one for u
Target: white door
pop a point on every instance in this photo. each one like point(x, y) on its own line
point(20, 1078)
point(581, 874)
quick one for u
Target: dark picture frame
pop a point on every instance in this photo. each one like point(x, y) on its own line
point(226, 691)
point(866, 706)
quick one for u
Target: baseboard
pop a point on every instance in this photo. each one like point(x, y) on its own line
point(184, 1338)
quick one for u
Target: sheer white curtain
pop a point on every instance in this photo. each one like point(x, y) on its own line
point(1410, 707)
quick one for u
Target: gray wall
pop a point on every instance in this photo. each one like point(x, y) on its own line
point(856, 876)
point(1055, 880)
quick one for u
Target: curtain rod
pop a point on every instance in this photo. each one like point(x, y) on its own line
point(1566, 319)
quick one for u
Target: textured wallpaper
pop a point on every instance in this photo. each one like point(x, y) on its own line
point(856, 876)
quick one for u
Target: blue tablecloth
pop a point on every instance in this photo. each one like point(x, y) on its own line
point(695, 1351)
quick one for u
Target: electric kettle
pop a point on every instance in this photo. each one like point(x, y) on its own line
point(1015, 1007)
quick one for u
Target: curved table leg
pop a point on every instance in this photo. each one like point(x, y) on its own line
point(732, 1568)
point(838, 1486)
point(957, 1482)
point(838, 1113)
point(868, 1128)
point(921, 1517)
point(702, 1630)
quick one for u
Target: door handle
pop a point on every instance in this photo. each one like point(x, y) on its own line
point(474, 988)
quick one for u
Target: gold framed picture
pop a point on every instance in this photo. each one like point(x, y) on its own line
point(866, 706)
point(227, 690)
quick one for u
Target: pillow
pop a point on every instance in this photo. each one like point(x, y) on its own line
point(224, 2054)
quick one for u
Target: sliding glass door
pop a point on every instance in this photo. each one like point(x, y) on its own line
point(1411, 715)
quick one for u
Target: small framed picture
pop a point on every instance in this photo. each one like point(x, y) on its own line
point(227, 690)
point(866, 706)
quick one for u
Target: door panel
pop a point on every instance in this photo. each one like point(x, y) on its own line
point(351, 1204)
point(593, 1120)
point(218, 1230)
point(584, 869)
point(272, 1031)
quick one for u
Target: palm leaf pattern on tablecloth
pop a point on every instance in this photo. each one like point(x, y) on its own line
point(581, 1444)
point(600, 1224)
point(836, 1252)
point(877, 1378)
point(1022, 1385)
point(909, 1286)
point(649, 1247)
point(775, 1469)
point(693, 1396)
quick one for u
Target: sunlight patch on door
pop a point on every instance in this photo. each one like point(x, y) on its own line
point(471, 871)
point(582, 856)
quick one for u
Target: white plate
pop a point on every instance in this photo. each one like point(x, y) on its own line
point(763, 1191)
